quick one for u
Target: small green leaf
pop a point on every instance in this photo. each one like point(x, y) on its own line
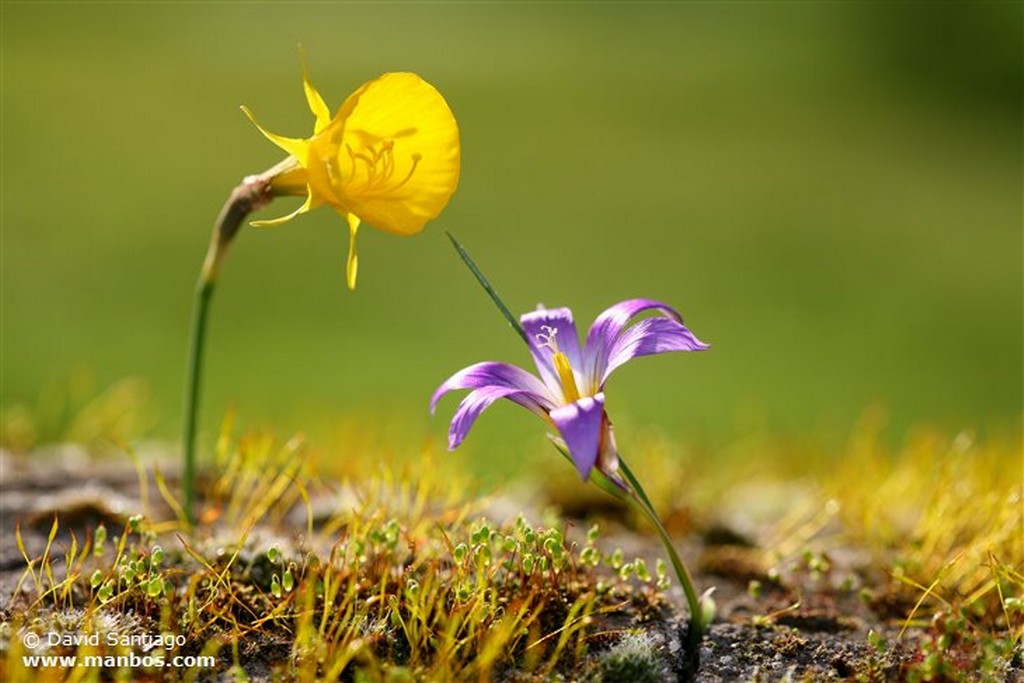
point(155, 587)
point(288, 581)
point(459, 554)
point(99, 540)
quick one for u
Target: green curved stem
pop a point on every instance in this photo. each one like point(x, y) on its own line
point(697, 625)
point(204, 291)
point(253, 193)
point(464, 255)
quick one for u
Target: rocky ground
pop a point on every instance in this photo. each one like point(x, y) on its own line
point(816, 616)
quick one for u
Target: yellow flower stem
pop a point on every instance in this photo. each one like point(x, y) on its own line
point(252, 194)
point(204, 290)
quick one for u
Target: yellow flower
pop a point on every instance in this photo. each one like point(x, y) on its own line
point(389, 157)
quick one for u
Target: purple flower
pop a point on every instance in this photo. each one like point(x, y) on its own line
point(569, 394)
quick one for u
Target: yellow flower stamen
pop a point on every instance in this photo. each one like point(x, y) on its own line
point(379, 168)
point(546, 340)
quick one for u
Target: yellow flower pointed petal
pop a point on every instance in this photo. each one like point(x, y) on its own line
point(316, 103)
point(273, 222)
point(352, 267)
point(294, 146)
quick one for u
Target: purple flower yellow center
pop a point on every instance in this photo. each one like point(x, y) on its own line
point(569, 393)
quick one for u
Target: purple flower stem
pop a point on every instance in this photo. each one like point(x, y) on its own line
point(464, 255)
point(697, 625)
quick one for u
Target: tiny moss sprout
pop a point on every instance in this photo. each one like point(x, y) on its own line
point(413, 581)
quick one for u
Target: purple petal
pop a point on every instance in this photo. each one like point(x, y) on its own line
point(492, 374)
point(580, 424)
point(649, 337)
point(541, 323)
point(608, 327)
point(475, 403)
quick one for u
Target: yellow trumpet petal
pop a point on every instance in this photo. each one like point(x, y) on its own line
point(389, 157)
point(401, 145)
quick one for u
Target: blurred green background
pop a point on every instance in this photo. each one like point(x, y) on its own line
point(829, 192)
